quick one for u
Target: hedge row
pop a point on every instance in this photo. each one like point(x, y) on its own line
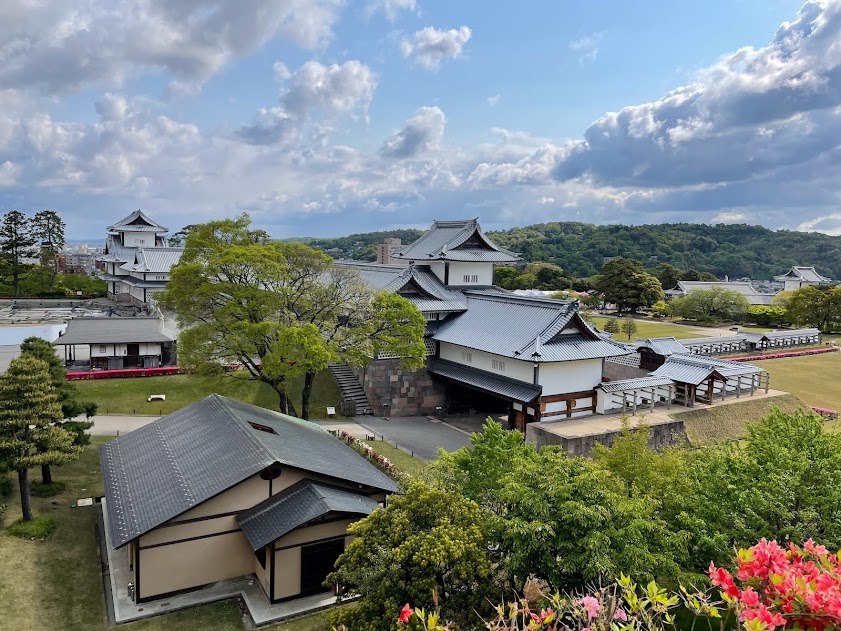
point(813, 351)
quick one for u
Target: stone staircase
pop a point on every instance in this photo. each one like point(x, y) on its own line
point(350, 387)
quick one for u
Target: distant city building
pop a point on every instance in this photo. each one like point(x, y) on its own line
point(79, 263)
point(798, 277)
point(386, 250)
point(138, 259)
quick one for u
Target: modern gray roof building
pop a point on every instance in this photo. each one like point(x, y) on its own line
point(171, 465)
point(223, 490)
point(461, 240)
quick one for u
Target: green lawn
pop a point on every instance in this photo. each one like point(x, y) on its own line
point(647, 328)
point(56, 584)
point(402, 460)
point(128, 396)
point(816, 379)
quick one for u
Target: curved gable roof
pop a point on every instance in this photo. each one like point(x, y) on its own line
point(461, 240)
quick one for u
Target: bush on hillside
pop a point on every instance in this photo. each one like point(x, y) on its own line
point(39, 489)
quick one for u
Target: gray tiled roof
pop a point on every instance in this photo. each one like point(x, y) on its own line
point(626, 385)
point(293, 507)
point(694, 369)
point(445, 240)
point(753, 296)
point(510, 326)
point(144, 224)
point(393, 278)
point(775, 335)
point(112, 331)
point(152, 260)
point(116, 251)
point(808, 274)
point(706, 341)
point(167, 467)
point(483, 380)
point(661, 345)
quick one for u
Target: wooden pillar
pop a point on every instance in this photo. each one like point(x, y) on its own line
point(624, 403)
point(653, 396)
point(669, 400)
point(723, 389)
point(767, 382)
point(635, 402)
point(738, 385)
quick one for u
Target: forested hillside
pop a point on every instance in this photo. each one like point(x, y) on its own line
point(580, 248)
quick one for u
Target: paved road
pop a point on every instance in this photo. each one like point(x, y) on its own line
point(110, 425)
point(416, 434)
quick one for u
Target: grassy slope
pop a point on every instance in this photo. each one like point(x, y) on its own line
point(652, 329)
point(727, 422)
point(55, 584)
point(400, 458)
point(128, 396)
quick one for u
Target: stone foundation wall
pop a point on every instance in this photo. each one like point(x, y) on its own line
point(663, 435)
point(406, 392)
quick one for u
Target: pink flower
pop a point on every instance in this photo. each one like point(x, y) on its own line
point(620, 615)
point(405, 614)
point(591, 605)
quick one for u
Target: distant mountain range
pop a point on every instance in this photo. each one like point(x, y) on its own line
point(735, 251)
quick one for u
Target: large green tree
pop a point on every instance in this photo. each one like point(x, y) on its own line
point(48, 227)
point(818, 307)
point(29, 436)
point(783, 482)
point(16, 244)
point(715, 303)
point(67, 391)
point(280, 309)
point(626, 284)
point(427, 540)
point(565, 520)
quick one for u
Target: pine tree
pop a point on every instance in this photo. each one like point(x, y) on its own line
point(49, 228)
point(67, 393)
point(29, 407)
point(611, 326)
point(16, 241)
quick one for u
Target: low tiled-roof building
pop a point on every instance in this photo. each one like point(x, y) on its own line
point(222, 489)
point(801, 276)
point(118, 343)
point(754, 297)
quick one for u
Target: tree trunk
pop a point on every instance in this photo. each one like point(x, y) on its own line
point(46, 474)
point(25, 499)
point(55, 270)
point(309, 378)
point(16, 279)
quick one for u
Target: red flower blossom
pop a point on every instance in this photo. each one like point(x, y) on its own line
point(405, 614)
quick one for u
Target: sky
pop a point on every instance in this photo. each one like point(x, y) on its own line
point(329, 117)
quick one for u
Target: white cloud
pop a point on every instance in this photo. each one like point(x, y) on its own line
point(729, 217)
point(588, 46)
point(312, 89)
point(56, 46)
point(430, 47)
point(829, 224)
point(422, 132)
point(546, 200)
point(392, 8)
point(493, 101)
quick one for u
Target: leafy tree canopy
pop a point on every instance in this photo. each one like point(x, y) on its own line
point(715, 303)
point(426, 540)
point(626, 284)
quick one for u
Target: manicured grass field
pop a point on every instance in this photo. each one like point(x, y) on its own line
point(647, 328)
point(816, 379)
point(128, 396)
point(56, 584)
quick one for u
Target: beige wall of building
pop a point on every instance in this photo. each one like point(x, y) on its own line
point(205, 544)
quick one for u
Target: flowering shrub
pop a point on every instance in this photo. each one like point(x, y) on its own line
point(370, 453)
point(621, 606)
point(813, 351)
point(828, 414)
point(797, 587)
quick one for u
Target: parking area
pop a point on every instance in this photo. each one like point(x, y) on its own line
point(417, 435)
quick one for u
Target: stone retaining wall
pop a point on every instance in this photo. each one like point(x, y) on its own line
point(662, 435)
point(395, 391)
